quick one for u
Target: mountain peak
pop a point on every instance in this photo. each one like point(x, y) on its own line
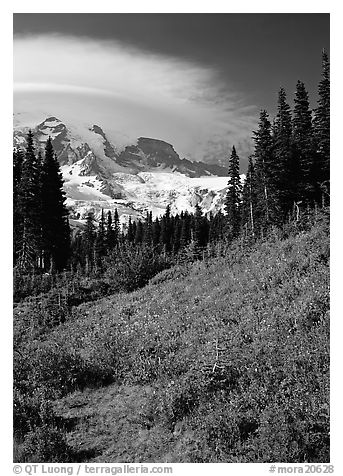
point(52, 119)
point(109, 150)
point(50, 122)
point(148, 174)
point(97, 129)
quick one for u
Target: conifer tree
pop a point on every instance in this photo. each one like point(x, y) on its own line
point(148, 229)
point(200, 229)
point(249, 200)
point(186, 233)
point(156, 231)
point(55, 226)
point(110, 235)
point(78, 259)
point(285, 159)
point(166, 230)
point(233, 197)
point(177, 234)
point(217, 227)
point(134, 230)
point(100, 240)
point(265, 170)
point(322, 134)
point(303, 143)
point(130, 231)
point(89, 237)
point(116, 228)
point(18, 159)
point(139, 233)
point(29, 203)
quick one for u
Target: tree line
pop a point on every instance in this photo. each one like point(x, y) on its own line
point(287, 172)
point(167, 235)
point(289, 169)
point(41, 229)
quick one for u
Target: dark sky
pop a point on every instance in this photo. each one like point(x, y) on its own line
point(257, 53)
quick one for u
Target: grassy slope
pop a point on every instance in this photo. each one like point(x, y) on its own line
point(228, 362)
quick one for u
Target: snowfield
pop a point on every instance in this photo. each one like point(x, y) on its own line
point(145, 191)
point(148, 176)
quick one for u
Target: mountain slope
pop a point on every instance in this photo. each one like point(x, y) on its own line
point(225, 360)
point(147, 175)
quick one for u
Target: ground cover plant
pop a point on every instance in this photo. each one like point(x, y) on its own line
point(226, 360)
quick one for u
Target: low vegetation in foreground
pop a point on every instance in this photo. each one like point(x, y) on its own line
point(220, 360)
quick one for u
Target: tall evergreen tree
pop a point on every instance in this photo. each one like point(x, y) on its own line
point(250, 200)
point(233, 197)
point(29, 203)
point(285, 159)
point(265, 170)
point(217, 227)
point(55, 226)
point(18, 158)
point(100, 240)
point(130, 231)
point(110, 234)
point(186, 233)
point(139, 233)
point(303, 143)
point(134, 230)
point(200, 228)
point(116, 227)
point(148, 229)
point(166, 230)
point(322, 133)
point(156, 231)
point(177, 234)
point(89, 237)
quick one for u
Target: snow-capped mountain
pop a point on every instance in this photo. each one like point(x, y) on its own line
point(147, 175)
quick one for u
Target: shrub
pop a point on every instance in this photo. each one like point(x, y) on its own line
point(45, 444)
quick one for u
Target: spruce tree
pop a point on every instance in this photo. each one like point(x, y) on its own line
point(109, 235)
point(18, 158)
point(166, 230)
point(116, 228)
point(266, 207)
point(100, 241)
point(130, 231)
point(177, 234)
point(134, 230)
point(186, 234)
point(303, 143)
point(322, 134)
point(55, 226)
point(139, 233)
point(233, 197)
point(217, 227)
point(78, 258)
point(200, 228)
point(286, 171)
point(147, 238)
point(156, 231)
point(249, 200)
point(88, 238)
point(29, 203)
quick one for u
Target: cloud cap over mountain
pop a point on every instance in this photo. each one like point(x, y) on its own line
point(132, 93)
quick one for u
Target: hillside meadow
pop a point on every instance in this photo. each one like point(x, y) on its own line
point(220, 360)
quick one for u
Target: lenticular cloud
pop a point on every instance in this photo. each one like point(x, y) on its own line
point(128, 88)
